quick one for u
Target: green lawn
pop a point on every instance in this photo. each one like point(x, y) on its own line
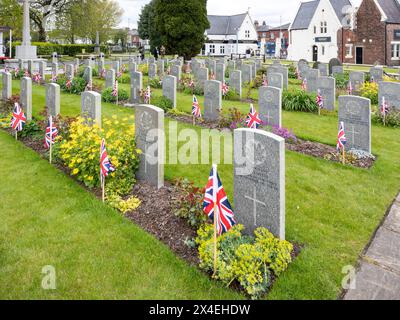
point(331, 209)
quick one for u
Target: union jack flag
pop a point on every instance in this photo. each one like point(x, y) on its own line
point(123, 68)
point(384, 107)
point(18, 118)
point(225, 88)
point(68, 84)
point(53, 77)
point(37, 77)
point(341, 137)
point(216, 198)
point(196, 112)
point(320, 100)
point(16, 70)
point(350, 88)
point(119, 74)
point(89, 86)
point(265, 81)
point(147, 95)
point(304, 84)
point(253, 120)
point(51, 133)
point(115, 89)
point(105, 164)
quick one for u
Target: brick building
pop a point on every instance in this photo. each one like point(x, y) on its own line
point(375, 37)
point(273, 41)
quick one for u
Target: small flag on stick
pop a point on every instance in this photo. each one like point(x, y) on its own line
point(196, 111)
point(50, 136)
point(18, 119)
point(342, 141)
point(253, 120)
point(105, 167)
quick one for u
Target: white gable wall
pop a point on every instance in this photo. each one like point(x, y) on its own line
point(302, 41)
point(248, 25)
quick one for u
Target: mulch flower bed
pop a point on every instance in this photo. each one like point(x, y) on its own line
point(309, 148)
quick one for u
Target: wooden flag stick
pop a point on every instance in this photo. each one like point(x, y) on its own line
point(319, 111)
point(16, 135)
point(103, 196)
point(194, 120)
point(344, 156)
point(51, 149)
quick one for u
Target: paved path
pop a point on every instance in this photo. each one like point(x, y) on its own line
point(379, 275)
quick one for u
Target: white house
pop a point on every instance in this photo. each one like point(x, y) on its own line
point(313, 33)
point(230, 34)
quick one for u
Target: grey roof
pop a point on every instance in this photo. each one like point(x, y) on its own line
point(263, 28)
point(282, 27)
point(307, 10)
point(225, 25)
point(391, 8)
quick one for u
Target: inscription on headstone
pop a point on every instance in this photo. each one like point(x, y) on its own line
point(53, 99)
point(270, 105)
point(26, 97)
point(212, 99)
point(91, 107)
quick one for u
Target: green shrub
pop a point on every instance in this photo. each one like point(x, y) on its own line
point(163, 103)
point(107, 95)
point(261, 71)
point(370, 90)
point(155, 83)
point(299, 100)
point(231, 95)
point(78, 85)
point(342, 80)
point(250, 261)
point(124, 78)
point(392, 119)
point(7, 106)
point(31, 129)
point(189, 204)
point(81, 72)
point(46, 49)
point(292, 72)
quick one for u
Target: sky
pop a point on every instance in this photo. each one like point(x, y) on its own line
point(261, 10)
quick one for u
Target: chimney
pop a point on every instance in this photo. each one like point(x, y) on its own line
point(256, 23)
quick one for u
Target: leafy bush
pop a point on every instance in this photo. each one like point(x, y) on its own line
point(392, 119)
point(46, 49)
point(81, 72)
point(31, 129)
point(231, 95)
point(7, 106)
point(124, 78)
point(370, 90)
point(299, 100)
point(258, 81)
point(123, 205)
point(163, 103)
point(342, 80)
point(189, 204)
point(107, 95)
point(78, 85)
point(261, 71)
point(155, 83)
point(144, 69)
point(232, 118)
point(79, 151)
point(250, 261)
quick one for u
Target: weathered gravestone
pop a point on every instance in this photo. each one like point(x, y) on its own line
point(253, 69)
point(54, 69)
point(335, 62)
point(132, 66)
point(247, 74)
point(176, 71)
point(69, 71)
point(337, 70)
point(211, 65)
point(26, 97)
point(6, 91)
point(231, 65)
point(160, 68)
point(88, 74)
point(391, 92)
point(239, 63)
point(270, 105)
point(42, 70)
point(91, 107)
point(376, 74)
point(303, 66)
point(259, 181)
point(355, 112)
point(235, 81)
point(323, 69)
point(115, 66)
point(357, 79)
point(53, 99)
point(77, 63)
point(169, 88)
point(202, 76)
point(150, 137)
point(312, 76)
point(152, 70)
point(275, 80)
point(136, 86)
point(327, 89)
point(284, 71)
point(220, 72)
point(100, 65)
point(212, 99)
point(110, 78)
point(151, 60)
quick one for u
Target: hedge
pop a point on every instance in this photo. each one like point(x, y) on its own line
point(46, 49)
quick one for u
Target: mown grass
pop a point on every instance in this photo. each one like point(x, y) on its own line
point(332, 210)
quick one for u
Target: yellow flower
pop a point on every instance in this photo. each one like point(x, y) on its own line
point(75, 171)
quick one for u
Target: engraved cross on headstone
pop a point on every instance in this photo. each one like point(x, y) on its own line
point(255, 202)
point(354, 133)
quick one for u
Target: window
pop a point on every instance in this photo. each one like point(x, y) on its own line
point(349, 51)
point(395, 50)
point(222, 49)
point(324, 27)
point(247, 33)
point(323, 50)
point(272, 35)
point(264, 35)
point(212, 48)
point(315, 29)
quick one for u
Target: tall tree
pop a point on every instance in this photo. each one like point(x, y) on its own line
point(182, 25)
point(147, 25)
point(11, 16)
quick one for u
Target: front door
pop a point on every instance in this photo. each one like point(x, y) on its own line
point(359, 55)
point(315, 53)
